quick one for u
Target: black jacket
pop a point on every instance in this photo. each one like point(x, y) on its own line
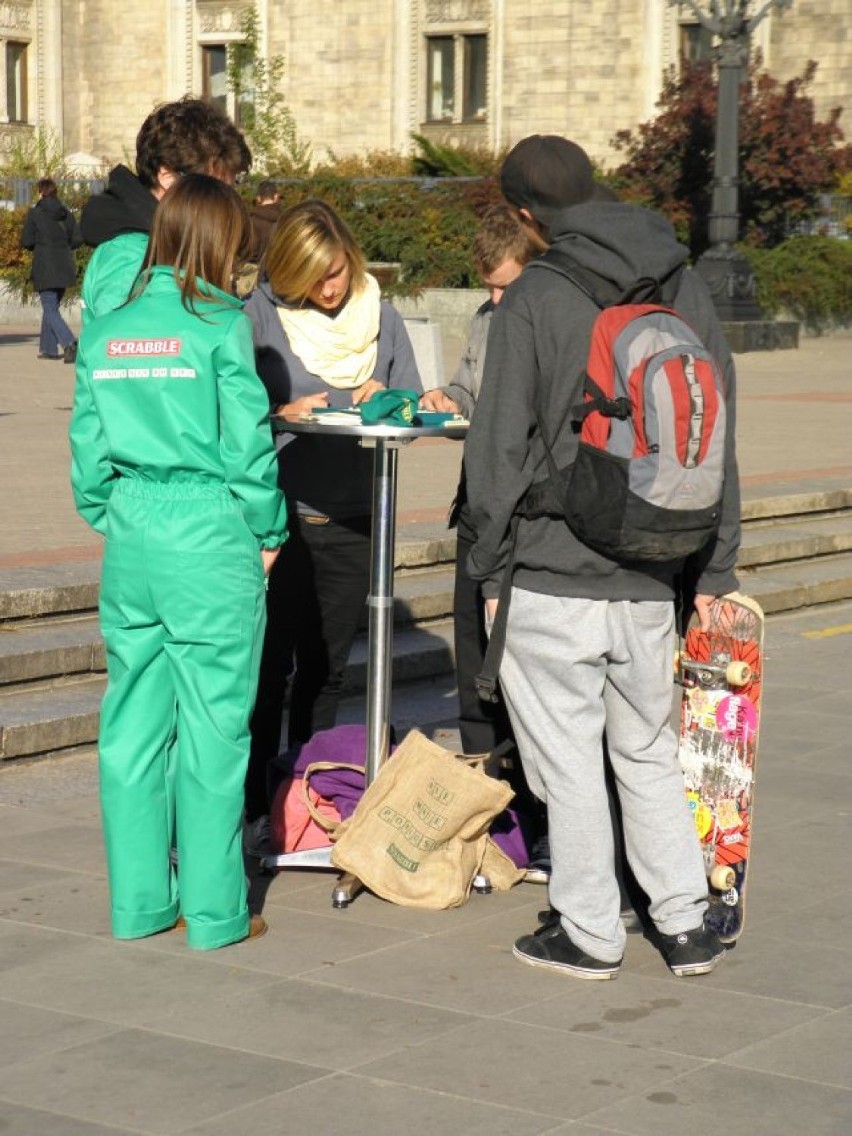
point(537, 350)
point(51, 232)
point(125, 206)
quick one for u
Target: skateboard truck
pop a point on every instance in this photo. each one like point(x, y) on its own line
point(714, 672)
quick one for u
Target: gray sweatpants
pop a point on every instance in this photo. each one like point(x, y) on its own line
point(573, 668)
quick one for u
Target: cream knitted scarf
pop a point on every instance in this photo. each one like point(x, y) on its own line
point(341, 350)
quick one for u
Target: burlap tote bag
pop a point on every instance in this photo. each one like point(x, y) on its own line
point(419, 835)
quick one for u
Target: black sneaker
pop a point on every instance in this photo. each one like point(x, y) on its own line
point(69, 353)
point(550, 947)
point(538, 869)
point(692, 952)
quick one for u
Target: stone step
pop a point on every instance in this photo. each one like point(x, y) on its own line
point(803, 538)
point(35, 650)
point(44, 717)
point(788, 587)
point(51, 589)
point(807, 524)
point(41, 719)
point(38, 649)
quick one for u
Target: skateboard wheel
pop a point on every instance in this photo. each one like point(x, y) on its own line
point(722, 878)
point(737, 673)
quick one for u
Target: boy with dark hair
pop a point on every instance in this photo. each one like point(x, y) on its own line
point(589, 641)
point(182, 137)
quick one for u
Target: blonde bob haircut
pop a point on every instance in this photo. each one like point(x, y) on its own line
point(305, 241)
point(200, 230)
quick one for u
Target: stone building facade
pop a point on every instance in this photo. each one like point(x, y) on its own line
point(366, 74)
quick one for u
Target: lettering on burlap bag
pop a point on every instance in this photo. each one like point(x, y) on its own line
point(419, 835)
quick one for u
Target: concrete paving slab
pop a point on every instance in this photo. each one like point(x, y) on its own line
point(298, 945)
point(367, 1104)
point(817, 976)
point(827, 921)
point(76, 847)
point(63, 901)
point(522, 1066)
point(819, 1050)
point(149, 1083)
point(19, 1120)
point(31, 1032)
point(308, 1023)
point(640, 1010)
point(762, 1104)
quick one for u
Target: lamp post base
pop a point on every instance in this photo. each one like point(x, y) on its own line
point(761, 335)
point(730, 281)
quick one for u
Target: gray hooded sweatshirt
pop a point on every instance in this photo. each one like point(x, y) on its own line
point(537, 350)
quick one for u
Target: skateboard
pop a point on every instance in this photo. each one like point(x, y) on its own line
point(721, 672)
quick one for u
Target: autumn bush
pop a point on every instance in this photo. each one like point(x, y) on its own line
point(788, 157)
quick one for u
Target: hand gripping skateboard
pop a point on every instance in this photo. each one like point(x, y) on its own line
point(721, 672)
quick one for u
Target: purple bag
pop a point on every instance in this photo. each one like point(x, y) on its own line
point(344, 787)
point(507, 834)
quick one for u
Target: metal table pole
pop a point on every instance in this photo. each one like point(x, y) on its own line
point(380, 628)
point(386, 442)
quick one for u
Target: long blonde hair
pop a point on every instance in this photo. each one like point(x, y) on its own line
point(200, 228)
point(306, 239)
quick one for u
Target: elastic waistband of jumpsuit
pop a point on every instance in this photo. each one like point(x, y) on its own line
point(173, 490)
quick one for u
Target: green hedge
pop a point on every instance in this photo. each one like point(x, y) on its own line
point(809, 278)
point(427, 226)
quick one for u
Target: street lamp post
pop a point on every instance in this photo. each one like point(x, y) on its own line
point(726, 272)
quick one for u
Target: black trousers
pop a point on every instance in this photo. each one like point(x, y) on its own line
point(317, 592)
point(482, 725)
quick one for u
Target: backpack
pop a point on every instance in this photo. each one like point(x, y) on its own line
point(647, 481)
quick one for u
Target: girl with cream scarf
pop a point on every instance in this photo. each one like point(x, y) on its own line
point(323, 337)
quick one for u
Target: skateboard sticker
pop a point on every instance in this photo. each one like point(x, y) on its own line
point(736, 717)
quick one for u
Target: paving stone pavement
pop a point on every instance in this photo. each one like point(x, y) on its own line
point(382, 1019)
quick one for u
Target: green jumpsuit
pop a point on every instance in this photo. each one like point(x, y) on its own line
point(173, 461)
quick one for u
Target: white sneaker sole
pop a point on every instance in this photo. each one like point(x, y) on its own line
point(566, 968)
point(694, 969)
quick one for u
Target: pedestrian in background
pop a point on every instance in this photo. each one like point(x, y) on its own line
point(51, 232)
point(263, 215)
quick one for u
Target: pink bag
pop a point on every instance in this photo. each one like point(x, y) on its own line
point(293, 827)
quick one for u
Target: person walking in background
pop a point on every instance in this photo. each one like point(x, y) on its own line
point(178, 138)
point(173, 460)
point(590, 639)
point(501, 248)
point(51, 232)
point(323, 337)
point(263, 215)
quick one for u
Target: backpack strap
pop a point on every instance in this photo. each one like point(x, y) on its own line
point(486, 681)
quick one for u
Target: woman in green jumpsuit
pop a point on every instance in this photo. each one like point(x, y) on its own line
point(173, 461)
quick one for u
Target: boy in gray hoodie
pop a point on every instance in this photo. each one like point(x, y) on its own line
point(590, 640)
